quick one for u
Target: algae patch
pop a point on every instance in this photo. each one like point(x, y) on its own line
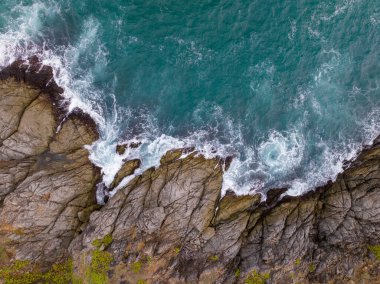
point(24, 272)
point(101, 260)
point(255, 277)
point(375, 250)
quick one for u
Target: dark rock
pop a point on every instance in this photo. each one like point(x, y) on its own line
point(376, 142)
point(121, 148)
point(274, 194)
point(134, 145)
point(32, 72)
point(227, 162)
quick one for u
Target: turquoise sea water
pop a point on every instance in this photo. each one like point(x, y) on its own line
point(290, 88)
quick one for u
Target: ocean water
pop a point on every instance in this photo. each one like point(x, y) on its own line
point(289, 88)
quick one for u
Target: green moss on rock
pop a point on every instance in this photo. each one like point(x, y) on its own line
point(255, 277)
point(177, 250)
point(312, 267)
point(99, 267)
point(97, 271)
point(106, 241)
point(136, 266)
point(23, 272)
point(213, 258)
point(375, 250)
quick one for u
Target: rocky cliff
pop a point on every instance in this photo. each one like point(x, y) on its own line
point(169, 224)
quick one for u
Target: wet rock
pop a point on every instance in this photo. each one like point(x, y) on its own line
point(273, 195)
point(34, 73)
point(121, 148)
point(175, 154)
point(134, 145)
point(227, 162)
point(102, 193)
point(127, 169)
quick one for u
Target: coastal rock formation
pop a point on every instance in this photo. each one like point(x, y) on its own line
point(127, 169)
point(47, 180)
point(170, 224)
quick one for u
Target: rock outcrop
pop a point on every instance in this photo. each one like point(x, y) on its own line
point(127, 169)
point(170, 224)
point(46, 178)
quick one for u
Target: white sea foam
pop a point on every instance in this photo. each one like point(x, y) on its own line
point(341, 7)
point(21, 40)
point(191, 49)
point(319, 174)
point(281, 152)
point(293, 30)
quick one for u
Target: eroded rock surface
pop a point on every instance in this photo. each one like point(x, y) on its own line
point(46, 178)
point(169, 224)
point(172, 222)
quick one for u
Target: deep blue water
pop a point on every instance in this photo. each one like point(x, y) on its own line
point(290, 88)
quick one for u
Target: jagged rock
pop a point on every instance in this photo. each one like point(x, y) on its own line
point(47, 179)
point(231, 205)
point(227, 162)
point(273, 195)
point(175, 154)
point(314, 238)
point(121, 148)
point(127, 169)
point(319, 237)
point(161, 210)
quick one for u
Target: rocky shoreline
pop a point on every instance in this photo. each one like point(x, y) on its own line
point(170, 224)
